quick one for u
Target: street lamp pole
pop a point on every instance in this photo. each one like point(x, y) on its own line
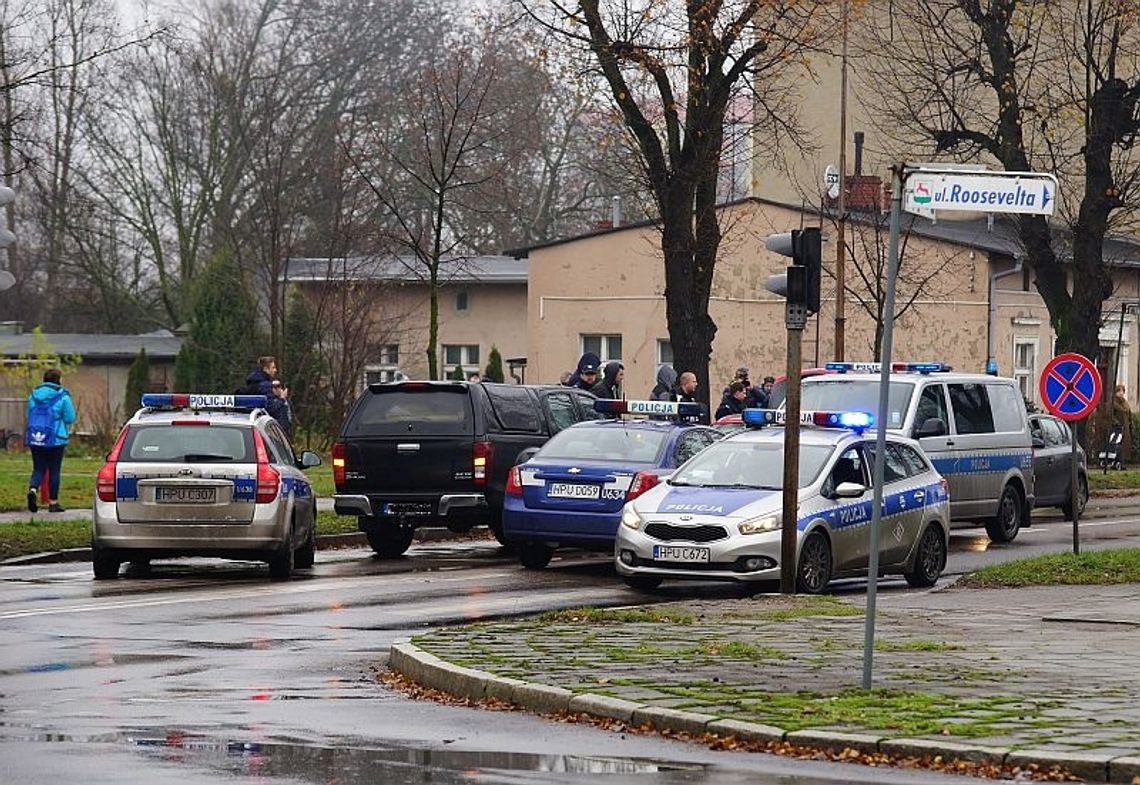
point(841, 243)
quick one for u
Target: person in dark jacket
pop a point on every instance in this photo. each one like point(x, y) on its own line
point(47, 446)
point(760, 396)
point(585, 375)
point(734, 402)
point(741, 376)
point(686, 392)
point(260, 380)
point(610, 385)
point(666, 380)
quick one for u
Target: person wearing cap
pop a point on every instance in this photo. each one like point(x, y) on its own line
point(585, 375)
point(726, 396)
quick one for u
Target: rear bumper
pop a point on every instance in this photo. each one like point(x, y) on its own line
point(591, 530)
point(443, 505)
point(266, 532)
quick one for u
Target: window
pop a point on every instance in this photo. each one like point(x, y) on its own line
point(848, 468)
point(514, 408)
point(915, 463)
point(388, 367)
point(466, 356)
point(971, 407)
point(462, 301)
point(1008, 408)
point(1025, 366)
point(894, 468)
point(689, 445)
point(561, 409)
point(931, 404)
point(664, 352)
point(390, 354)
point(587, 403)
point(607, 347)
point(1052, 433)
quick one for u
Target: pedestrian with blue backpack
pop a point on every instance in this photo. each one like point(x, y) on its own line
point(50, 412)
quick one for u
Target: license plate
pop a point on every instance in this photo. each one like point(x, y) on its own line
point(407, 508)
point(573, 490)
point(186, 495)
point(680, 554)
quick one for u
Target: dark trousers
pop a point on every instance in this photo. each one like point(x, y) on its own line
point(49, 459)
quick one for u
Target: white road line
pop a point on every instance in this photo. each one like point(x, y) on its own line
point(267, 591)
point(1038, 529)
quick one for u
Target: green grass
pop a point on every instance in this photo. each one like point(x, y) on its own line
point(808, 606)
point(915, 645)
point(21, 539)
point(1128, 478)
point(1098, 567)
point(613, 616)
point(77, 483)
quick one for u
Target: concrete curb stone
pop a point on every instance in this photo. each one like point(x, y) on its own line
point(430, 671)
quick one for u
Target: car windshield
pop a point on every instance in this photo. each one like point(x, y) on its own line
point(607, 443)
point(169, 443)
point(857, 395)
point(749, 464)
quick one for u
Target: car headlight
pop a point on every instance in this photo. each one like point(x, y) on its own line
point(630, 518)
point(759, 525)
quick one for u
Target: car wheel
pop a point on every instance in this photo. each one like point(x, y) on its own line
point(104, 566)
point(307, 553)
point(929, 559)
point(1011, 513)
point(814, 570)
point(1082, 499)
point(495, 524)
point(535, 555)
point(642, 582)
point(281, 562)
point(390, 542)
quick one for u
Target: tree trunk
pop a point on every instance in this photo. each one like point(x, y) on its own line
point(688, 281)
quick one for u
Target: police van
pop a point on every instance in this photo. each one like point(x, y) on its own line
point(973, 427)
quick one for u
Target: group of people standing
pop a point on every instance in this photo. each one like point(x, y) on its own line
point(741, 394)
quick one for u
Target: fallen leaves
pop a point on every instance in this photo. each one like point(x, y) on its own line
point(713, 741)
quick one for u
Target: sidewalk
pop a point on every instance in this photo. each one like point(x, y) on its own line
point(1043, 676)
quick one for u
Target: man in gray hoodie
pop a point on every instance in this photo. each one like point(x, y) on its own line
point(666, 381)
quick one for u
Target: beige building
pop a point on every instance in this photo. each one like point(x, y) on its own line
point(482, 304)
point(604, 292)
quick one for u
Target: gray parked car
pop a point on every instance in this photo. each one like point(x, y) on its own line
point(1052, 462)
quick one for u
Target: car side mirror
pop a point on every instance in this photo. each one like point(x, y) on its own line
point(309, 459)
point(1038, 442)
point(849, 490)
point(932, 426)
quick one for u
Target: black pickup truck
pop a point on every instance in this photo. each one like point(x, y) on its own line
point(421, 453)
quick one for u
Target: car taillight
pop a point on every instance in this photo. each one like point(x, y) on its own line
point(642, 482)
point(105, 480)
point(481, 462)
point(268, 479)
point(514, 482)
point(339, 463)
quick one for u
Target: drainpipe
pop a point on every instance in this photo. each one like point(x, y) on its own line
point(991, 361)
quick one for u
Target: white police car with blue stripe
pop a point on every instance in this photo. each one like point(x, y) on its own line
point(718, 517)
point(203, 475)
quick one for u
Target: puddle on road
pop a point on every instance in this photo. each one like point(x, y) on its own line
point(103, 662)
point(397, 765)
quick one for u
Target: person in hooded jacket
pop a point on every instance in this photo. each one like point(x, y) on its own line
point(260, 381)
point(585, 375)
point(49, 457)
point(610, 385)
point(666, 381)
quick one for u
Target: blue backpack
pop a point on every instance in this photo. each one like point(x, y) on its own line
point(41, 430)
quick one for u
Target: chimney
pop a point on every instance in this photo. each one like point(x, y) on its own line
point(615, 212)
point(858, 153)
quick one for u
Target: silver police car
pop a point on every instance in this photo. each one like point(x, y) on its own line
point(718, 517)
point(203, 475)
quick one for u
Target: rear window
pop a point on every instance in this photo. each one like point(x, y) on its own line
point(514, 408)
point(402, 411)
point(166, 443)
point(620, 445)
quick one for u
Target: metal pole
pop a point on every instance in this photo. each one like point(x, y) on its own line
point(841, 244)
point(898, 175)
point(789, 529)
point(1073, 493)
point(1116, 357)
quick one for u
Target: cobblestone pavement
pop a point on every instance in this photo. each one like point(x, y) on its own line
point(1048, 669)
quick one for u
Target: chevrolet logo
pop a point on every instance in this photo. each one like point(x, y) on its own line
point(573, 470)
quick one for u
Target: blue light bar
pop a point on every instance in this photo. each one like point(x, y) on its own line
point(664, 408)
point(925, 367)
point(202, 401)
point(852, 421)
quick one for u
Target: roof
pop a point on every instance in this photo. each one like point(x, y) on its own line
point(997, 236)
point(407, 269)
point(161, 344)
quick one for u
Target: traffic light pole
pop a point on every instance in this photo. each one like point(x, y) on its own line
point(795, 318)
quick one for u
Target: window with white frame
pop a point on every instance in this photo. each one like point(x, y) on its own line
point(664, 352)
point(607, 347)
point(1025, 366)
point(388, 367)
point(464, 355)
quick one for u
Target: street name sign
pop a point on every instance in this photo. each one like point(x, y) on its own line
point(929, 192)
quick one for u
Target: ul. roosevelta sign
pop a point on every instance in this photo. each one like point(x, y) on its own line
point(930, 191)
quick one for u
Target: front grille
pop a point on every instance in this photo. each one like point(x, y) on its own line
point(667, 532)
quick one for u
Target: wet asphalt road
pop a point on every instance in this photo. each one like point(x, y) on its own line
point(204, 671)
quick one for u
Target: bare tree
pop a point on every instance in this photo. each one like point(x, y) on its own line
point(673, 71)
point(1030, 85)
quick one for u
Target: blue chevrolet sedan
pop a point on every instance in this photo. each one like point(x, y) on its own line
point(571, 492)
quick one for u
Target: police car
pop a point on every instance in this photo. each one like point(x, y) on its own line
point(203, 475)
point(972, 427)
point(718, 517)
point(571, 492)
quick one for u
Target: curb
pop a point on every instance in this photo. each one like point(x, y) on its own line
point(430, 671)
point(324, 542)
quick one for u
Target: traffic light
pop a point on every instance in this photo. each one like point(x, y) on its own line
point(801, 283)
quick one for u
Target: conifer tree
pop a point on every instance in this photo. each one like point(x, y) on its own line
point(138, 381)
point(494, 372)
